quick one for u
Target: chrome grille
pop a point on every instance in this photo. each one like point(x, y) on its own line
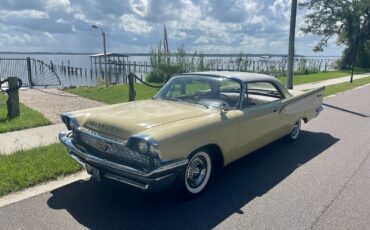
point(114, 150)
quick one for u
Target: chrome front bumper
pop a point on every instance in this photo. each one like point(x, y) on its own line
point(156, 179)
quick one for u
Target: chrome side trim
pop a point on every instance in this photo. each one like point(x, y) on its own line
point(242, 93)
point(65, 138)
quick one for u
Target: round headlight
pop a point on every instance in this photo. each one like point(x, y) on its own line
point(142, 146)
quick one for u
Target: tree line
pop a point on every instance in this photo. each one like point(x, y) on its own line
point(347, 21)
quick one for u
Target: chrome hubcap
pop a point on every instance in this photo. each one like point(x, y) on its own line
point(196, 171)
point(295, 130)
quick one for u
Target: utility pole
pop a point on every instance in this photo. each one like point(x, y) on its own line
point(289, 82)
point(105, 54)
point(354, 59)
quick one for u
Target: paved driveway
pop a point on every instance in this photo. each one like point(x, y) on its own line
point(53, 102)
point(321, 181)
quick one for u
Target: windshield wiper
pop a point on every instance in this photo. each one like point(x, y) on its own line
point(195, 102)
point(172, 99)
point(184, 100)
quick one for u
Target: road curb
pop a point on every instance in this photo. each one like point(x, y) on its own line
point(42, 188)
point(360, 87)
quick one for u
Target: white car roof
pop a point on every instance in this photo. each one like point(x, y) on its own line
point(243, 76)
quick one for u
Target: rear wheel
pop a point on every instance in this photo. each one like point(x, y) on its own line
point(294, 134)
point(194, 179)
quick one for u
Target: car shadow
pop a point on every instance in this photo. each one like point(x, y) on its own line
point(116, 206)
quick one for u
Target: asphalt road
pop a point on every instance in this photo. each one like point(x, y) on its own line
point(322, 181)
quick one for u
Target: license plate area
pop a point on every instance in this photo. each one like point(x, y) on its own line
point(93, 171)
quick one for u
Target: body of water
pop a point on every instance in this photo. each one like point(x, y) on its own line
point(78, 70)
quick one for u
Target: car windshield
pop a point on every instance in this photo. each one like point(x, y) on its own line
point(208, 91)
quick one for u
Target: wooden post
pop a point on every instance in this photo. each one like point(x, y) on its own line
point(51, 66)
point(131, 87)
point(13, 98)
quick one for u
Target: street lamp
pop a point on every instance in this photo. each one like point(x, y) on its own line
point(105, 54)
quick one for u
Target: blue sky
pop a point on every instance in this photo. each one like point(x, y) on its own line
point(210, 26)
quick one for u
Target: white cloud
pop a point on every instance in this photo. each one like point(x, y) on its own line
point(253, 42)
point(49, 35)
point(140, 7)
point(177, 35)
point(61, 20)
point(13, 39)
point(203, 40)
point(132, 23)
point(34, 14)
point(210, 25)
point(58, 4)
point(281, 9)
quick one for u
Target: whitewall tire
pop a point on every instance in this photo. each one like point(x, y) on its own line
point(196, 176)
point(294, 133)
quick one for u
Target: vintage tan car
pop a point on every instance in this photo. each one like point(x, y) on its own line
point(196, 123)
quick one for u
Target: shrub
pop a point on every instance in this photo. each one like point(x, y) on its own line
point(165, 65)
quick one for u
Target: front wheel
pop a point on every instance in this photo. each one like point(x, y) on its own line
point(194, 179)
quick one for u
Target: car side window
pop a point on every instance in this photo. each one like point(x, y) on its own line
point(261, 92)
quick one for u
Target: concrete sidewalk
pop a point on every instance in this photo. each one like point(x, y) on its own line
point(333, 81)
point(11, 142)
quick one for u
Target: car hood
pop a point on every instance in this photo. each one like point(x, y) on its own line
point(126, 119)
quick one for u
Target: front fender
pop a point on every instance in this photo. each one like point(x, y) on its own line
point(179, 139)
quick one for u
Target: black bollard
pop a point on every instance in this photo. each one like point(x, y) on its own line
point(13, 97)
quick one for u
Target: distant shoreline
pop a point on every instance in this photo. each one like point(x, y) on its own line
point(147, 54)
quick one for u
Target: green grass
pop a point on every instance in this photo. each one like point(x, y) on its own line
point(30, 167)
point(341, 87)
point(320, 76)
point(28, 119)
point(113, 94)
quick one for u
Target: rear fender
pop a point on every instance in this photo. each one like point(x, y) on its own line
point(303, 106)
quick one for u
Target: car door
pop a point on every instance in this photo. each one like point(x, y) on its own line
point(260, 122)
